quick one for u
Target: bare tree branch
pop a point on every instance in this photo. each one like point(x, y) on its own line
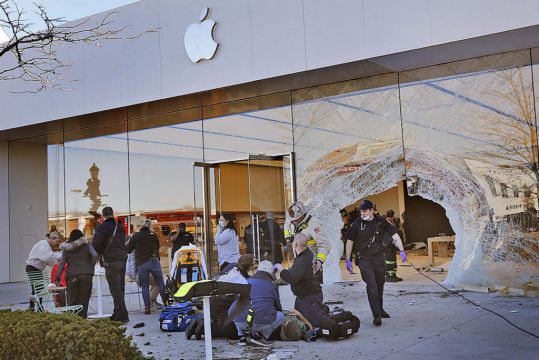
point(32, 55)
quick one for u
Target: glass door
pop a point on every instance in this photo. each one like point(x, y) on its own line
point(255, 193)
point(270, 193)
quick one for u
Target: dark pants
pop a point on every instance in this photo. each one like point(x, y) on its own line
point(115, 274)
point(373, 271)
point(152, 266)
point(391, 260)
point(225, 332)
point(79, 288)
point(30, 268)
point(311, 307)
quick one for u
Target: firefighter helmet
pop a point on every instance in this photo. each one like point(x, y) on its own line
point(296, 210)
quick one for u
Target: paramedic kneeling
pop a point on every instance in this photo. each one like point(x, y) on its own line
point(368, 233)
point(303, 281)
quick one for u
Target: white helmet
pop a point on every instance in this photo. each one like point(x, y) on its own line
point(296, 210)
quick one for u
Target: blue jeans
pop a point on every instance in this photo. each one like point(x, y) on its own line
point(266, 330)
point(152, 266)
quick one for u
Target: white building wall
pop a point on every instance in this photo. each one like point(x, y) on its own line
point(4, 213)
point(258, 39)
point(28, 200)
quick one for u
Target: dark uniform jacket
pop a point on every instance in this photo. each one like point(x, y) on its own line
point(300, 276)
point(370, 237)
point(181, 239)
point(116, 251)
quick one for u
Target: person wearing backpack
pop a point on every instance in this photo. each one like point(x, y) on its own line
point(109, 243)
point(368, 235)
point(145, 243)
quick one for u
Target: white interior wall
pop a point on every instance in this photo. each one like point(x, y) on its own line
point(4, 213)
point(28, 199)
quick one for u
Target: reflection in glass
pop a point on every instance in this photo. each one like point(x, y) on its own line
point(55, 169)
point(96, 175)
point(236, 136)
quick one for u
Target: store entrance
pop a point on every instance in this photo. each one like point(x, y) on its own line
point(254, 192)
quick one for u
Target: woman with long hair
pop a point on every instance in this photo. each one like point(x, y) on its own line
point(227, 241)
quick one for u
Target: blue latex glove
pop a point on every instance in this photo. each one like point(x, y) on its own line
point(349, 265)
point(277, 267)
point(404, 258)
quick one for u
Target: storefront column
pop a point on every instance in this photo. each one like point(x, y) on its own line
point(4, 213)
point(28, 199)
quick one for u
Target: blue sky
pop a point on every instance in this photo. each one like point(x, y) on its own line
point(68, 9)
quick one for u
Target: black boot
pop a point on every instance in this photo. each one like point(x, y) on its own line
point(377, 321)
point(385, 315)
point(393, 278)
point(199, 331)
point(190, 331)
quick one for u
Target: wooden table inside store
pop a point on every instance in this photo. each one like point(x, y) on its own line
point(438, 239)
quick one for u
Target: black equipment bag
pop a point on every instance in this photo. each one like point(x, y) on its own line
point(338, 324)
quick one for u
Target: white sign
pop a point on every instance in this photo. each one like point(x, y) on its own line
point(198, 39)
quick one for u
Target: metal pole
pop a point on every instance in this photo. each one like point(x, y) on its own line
point(207, 219)
point(257, 237)
point(293, 176)
point(207, 327)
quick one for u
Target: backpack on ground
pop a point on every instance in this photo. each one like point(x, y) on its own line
point(177, 317)
point(338, 324)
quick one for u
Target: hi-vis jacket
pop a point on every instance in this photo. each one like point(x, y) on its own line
point(318, 243)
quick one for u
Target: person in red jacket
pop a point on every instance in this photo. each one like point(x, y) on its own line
point(59, 298)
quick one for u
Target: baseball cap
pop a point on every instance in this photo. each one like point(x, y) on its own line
point(366, 205)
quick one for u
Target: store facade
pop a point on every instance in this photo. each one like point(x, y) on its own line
point(456, 121)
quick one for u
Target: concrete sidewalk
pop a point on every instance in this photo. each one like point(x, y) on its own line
point(426, 323)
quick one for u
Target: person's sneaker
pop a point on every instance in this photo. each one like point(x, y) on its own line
point(242, 341)
point(190, 331)
point(385, 315)
point(392, 278)
point(147, 311)
point(156, 305)
point(377, 321)
point(260, 341)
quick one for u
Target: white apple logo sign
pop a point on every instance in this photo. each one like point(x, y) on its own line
point(198, 39)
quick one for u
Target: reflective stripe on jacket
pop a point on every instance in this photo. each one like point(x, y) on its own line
point(318, 243)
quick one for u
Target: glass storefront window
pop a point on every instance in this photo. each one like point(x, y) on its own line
point(471, 145)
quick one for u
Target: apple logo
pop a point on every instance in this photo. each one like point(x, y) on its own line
point(198, 39)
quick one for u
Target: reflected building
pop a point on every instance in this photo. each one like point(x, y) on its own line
point(247, 133)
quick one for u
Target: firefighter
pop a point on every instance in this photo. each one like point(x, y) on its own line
point(298, 220)
point(369, 233)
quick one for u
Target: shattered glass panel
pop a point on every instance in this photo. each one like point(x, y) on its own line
point(347, 139)
point(470, 144)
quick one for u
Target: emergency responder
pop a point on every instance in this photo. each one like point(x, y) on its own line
point(391, 254)
point(369, 232)
point(299, 221)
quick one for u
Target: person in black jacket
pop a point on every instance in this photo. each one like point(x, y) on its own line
point(371, 234)
point(81, 257)
point(109, 243)
point(145, 243)
point(181, 238)
point(303, 281)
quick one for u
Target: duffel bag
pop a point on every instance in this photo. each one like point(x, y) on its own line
point(338, 324)
point(176, 317)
